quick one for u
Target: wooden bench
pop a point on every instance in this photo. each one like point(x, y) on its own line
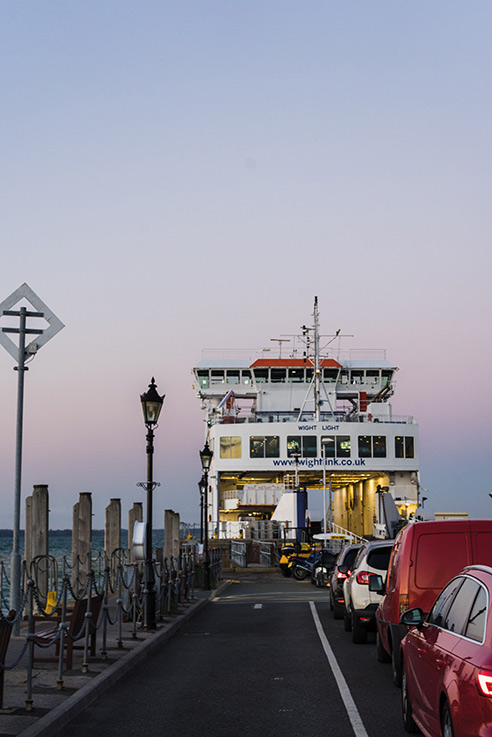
point(5, 632)
point(75, 621)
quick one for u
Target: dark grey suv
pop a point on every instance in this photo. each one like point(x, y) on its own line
point(346, 558)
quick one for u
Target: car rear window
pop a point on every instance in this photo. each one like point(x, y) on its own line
point(350, 557)
point(379, 558)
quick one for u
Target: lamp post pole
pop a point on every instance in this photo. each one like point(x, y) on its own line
point(201, 487)
point(151, 406)
point(206, 458)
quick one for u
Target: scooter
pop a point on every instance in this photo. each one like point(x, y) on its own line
point(323, 568)
point(301, 568)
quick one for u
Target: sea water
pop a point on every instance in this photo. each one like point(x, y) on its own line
point(60, 547)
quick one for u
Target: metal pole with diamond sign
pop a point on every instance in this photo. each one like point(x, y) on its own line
point(20, 353)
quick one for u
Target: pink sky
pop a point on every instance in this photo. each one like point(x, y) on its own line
point(179, 177)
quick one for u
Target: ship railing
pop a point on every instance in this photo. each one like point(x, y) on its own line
point(239, 553)
point(330, 417)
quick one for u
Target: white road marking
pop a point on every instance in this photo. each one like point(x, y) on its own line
point(352, 711)
point(258, 606)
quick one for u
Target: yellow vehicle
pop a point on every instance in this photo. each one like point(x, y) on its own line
point(302, 550)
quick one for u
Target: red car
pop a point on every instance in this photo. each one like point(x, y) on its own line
point(447, 660)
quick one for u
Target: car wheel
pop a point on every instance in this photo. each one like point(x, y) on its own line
point(447, 728)
point(300, 574)
point(406, 709)
point(338, 611)
point(397, 668)
point(359, 631)
point(381, 654)
point(331, 603)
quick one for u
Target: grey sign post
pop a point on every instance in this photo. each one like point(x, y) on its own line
point(20, 353)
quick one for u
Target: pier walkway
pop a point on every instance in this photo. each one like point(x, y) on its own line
point(264, 657)
point(52, 708)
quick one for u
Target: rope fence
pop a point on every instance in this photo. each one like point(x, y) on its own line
point(76, 599)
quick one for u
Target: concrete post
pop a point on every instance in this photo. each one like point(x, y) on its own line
point(40, 533)
point(27, 534)
point(135, 514)
point(112, 529)
point(82, 539)
point(75, 546)
point(168, 533)
point(176, 543)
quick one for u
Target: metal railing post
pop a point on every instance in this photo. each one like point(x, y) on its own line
point(63, 631)
point(88, 617)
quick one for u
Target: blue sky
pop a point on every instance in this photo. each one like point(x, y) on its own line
point(179, 176)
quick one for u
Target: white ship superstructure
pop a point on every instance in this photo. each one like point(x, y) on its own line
point(312, 418)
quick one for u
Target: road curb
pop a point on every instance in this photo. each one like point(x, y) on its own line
point(52, 723)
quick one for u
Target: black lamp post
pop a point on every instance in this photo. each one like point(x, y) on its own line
point(151, 406)
point(201, 486)
point(206, 458)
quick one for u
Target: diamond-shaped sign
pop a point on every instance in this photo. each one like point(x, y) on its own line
point(55, 324)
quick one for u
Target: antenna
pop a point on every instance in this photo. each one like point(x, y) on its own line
point(280, 341)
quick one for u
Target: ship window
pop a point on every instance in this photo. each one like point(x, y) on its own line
point(409, 449)
point(372, 376)
point(233, 377)
point(399, 448)
point(296, 375)
point(328, 446)
point(272, 446)
point(309, 374)
point(257, 447)
point(246, 377)
point(279, 375)
point(203, 378)
point(264, 447)
point(379, 446)
point(261, 375)
point(309, 446)
point(217, 376)
point(230, 446)
point(357, 377)
point(404, 447)
point(293, 445)
point(343, 446)
point(330, 375)
point(344, 377)
point(386, 377)
point(372, 446)
point(305, 445)
point(364, 446)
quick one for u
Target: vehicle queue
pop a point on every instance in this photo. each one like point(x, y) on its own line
point(427, 595)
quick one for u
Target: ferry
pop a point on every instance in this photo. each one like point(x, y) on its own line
point(312, 418)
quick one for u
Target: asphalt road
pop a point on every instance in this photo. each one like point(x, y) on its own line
point(252, 663)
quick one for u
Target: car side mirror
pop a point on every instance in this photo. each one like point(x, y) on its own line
point(343, 569)
point(376, 584)
point(413, 617)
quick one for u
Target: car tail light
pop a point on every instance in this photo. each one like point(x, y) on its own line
point(342, 575)
point(404, 603)
point(363, 577)
point(484, 680)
